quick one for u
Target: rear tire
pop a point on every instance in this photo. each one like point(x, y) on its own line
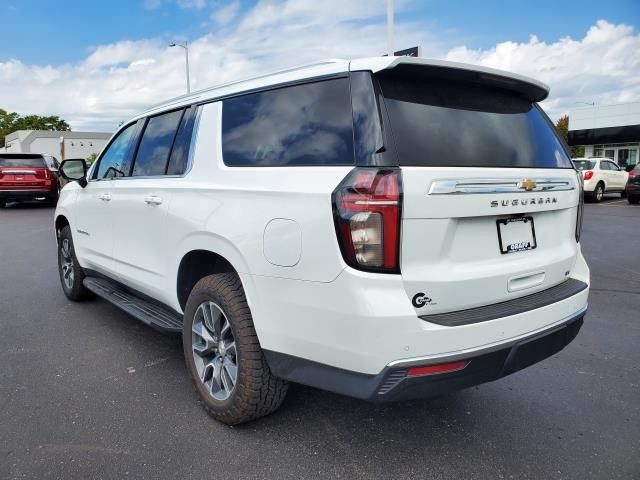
point(633, 200)
point(220, 343)
point(598, 193)
point(3, 203)
point(71, 273)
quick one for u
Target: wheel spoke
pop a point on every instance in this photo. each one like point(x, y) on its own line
point(230, 371)
point(206, 344)
point(216, 319)
point(206, 371)
point(217, 374)
point(66, 253)
point(225, 327)
point(227, 381)
point(231, 350)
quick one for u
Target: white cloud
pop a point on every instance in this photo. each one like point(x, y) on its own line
point(197, 4)
point(116, 80)
point(225, 14)
point(603, 66)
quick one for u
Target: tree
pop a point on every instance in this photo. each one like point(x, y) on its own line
point(92, 158)
point(563, 127)
point(11, 121)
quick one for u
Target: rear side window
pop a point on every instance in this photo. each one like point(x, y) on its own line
point(302, 125)
point(31, 161)
point(180, 151)
point(438, 123)
point(584, 164)
point(155, 145)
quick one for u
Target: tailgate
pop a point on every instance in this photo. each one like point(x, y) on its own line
point(475, 237)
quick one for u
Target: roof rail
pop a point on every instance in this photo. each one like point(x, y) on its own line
point(234, 82)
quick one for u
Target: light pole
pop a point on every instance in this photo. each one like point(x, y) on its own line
point(186, 58)
point(390, 28)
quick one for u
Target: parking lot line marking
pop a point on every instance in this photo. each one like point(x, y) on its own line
point(615, 202)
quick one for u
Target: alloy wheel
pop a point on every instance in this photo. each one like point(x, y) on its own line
point(66, 265)
point(214, 350)
point(599, 193)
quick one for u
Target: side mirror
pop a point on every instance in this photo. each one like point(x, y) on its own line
point(75, 170)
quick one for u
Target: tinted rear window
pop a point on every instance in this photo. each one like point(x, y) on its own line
point(31, 161)
point(449, 124)
point(584, 164)
point(302, 125)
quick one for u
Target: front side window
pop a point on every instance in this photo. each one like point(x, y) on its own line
point(155, 146)
point(440, 123)
point(302, 125)
point(113, 160)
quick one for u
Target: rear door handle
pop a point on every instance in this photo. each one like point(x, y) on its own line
point(106, 197)
point(153, 200)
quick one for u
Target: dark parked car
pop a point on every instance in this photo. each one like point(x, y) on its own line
point(633, 185)
point(28, 177)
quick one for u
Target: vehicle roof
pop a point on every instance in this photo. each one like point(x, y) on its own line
point(536, 90)
point(595, 159)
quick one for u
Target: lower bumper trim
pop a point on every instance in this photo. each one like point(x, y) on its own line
point(393, 384)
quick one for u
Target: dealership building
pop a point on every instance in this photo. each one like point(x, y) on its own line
point(59, 144)
point(611, 131)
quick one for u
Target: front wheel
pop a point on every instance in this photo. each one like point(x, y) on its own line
point(223, 355)
point(71, 273)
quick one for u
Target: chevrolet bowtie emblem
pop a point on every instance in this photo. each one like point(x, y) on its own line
point(527, 185)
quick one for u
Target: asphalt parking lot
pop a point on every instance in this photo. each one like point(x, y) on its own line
point(88, 392)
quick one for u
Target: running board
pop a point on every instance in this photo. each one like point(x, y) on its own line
point(153, 315)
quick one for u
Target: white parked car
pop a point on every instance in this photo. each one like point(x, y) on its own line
point(385, 228)
point(601, 175)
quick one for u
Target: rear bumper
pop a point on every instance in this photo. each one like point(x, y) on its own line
point(27, 195)
point(364, 322)
point(633, 188)
point(394, 384)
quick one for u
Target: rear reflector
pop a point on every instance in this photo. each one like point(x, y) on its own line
point(436, 369)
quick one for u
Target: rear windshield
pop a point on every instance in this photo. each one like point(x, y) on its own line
point(584, 164)
point(437, 123)
point(33, 161)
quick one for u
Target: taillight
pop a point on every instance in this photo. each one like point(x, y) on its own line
point(588, 174)
point(367, 207)
point(632, 174)
point(580, 210)
point(41, 173)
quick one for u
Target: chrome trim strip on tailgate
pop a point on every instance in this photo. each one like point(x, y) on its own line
point(560, 292)
point(499, 185)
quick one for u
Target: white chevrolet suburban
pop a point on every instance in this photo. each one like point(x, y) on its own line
point(387, 228)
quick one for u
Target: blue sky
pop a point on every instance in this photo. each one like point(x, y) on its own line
point(96, 63)
point(46, 34)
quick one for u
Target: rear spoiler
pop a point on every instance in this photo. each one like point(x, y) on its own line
point(530, 89)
